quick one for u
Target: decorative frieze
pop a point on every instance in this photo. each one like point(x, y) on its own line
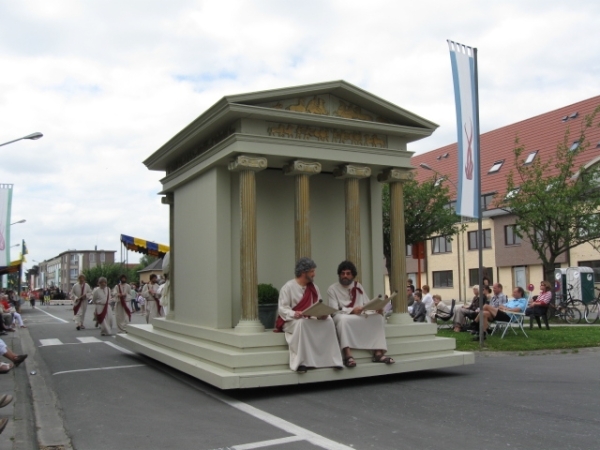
point(323, 134)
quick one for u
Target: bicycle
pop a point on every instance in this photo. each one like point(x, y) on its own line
point(567, 309)
point(592, 309)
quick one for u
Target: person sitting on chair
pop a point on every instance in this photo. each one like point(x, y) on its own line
point(419, 311)
point(439, 308)
point(539, 305)
point(502, 313)
point(460, 314)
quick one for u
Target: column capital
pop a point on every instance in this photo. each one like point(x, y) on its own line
point(168, 199)
point(394, 175)
point(245, 162)
point(351, 171)
point(299, 167)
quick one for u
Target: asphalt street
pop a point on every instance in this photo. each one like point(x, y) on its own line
point(107, 397)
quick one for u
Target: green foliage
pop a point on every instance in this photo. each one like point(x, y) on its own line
point(560, 211)
point(426, 213)
point(267, 294)
point(112, 273)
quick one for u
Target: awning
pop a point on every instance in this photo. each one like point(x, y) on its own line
point(144, 246)
point(14, 267)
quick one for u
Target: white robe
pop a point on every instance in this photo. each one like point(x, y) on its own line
point(360, 331)
point(77, 292)
point(120, 313)
point(428, 302)
point(312, 342)
point(100, 297)
point(152, 296)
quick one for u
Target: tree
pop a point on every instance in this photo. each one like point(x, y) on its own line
point(146, 260)
point(427, 213)
point(112, 273)
point(556, 201)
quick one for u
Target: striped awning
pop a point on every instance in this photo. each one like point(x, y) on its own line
point(144, 246)
point(14, 267)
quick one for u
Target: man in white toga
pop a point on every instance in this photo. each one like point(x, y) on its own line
point(311, 340)
point(80, 293)
point(355, 329)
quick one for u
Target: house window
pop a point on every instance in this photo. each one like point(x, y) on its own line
point(409, 248)
point(102, 257)
point(594, 265)
point(486, 201)
point(74, 258)
point(443, 279)
point(510, 235)
point(73, 273)
point(574, 146)
point(474, 276)
point(441, 244)
point(474, 239)
point(530, 158)
point(92, 257)
point(496, 167)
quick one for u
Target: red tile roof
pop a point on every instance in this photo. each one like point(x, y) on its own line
point(541, 133)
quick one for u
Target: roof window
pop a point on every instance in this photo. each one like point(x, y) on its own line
point(439, 181)
point(530, 158)
point(598, 145)
point(574, 115)
point(496, 167)
point(574, 146)
point(565, 118)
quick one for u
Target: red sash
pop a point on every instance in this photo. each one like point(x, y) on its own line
point(78, 305)
point(124, 303)
point(353, 291)
point(158, 305)
point(100, 317)
point(310, 296)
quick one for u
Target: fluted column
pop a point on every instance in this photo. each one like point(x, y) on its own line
point(395, 178)
point(302, 170)
point(352, 174)
point(247, 166)
point(169, 199)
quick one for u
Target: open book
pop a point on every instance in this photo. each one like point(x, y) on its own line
point(378, 303)
point(319, 309)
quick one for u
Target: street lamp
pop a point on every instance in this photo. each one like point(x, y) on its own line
point(32, 137)
point(19, 221)
point(428, 167)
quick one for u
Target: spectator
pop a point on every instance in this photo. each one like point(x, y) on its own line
point(409, 283)
point(499, 298)
point(439, 307)
point(16, 360)
point(503, 312)
point(427, 301)
point(538, 307)
point(419, 311)
point(470, 312)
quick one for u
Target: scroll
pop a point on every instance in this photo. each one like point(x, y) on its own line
point(319, 309)
point(378, 303)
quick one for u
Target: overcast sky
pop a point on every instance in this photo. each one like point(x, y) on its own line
point(108, 82)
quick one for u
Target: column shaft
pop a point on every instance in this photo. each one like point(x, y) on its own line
point(398, 247)
point(248, 258)
point(353, 223)
point(302, 217)
point(171, 200)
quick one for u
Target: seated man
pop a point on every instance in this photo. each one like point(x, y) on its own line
point(439, 308)
point(469, 312)
point(312, 341)
point(356, 329)
point(419, 311)
point(503, 313)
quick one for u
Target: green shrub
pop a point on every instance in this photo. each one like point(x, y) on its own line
point(267, 294)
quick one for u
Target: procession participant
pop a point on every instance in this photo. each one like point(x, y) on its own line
point(356, 330)
point(312, 341)
point(80, 293)
point(152, 296)
point(102, 315)
point(121, 294)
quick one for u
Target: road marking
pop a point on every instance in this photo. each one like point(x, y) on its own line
point(57, 318)
point(46, 342)
point(284, 440)
point(88, 339)
point(118, 347)
point(99, 368)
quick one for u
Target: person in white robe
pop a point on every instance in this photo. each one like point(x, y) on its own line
point(80, 293)
point(356, 329)
point(427, 302)
point(165, 288)
point(312, 341)
point(152, 296)
point(121, 294)
point(101, 297)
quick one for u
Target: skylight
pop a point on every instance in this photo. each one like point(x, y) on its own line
point(565, 118)
point(575, 146)
point(496, 167)
point(530, 157)
point(574, 115)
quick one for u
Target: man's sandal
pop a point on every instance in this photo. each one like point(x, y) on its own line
point(383, 359)
point(349, 362)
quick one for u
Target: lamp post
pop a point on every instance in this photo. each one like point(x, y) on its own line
point(19, 221)
point(32, 137)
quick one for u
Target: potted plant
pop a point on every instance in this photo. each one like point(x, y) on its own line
point(268, 297)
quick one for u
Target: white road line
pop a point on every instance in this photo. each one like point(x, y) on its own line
point(277, 422)
point(46, 342)
point(99, 368)
point(88, 339)
point(118, 347)
point(57, 318)
point(284, 440)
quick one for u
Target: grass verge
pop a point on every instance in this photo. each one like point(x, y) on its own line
point(555, 338)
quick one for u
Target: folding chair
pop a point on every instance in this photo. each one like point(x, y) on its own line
point(516, 318)
point(446, 317)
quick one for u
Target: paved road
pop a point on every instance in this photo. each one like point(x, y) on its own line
point(109, 398)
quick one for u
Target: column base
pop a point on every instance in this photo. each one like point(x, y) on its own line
point(170, 315)
point(249, 326)
point(400, 318)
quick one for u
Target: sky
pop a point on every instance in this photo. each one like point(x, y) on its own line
point(109, 81)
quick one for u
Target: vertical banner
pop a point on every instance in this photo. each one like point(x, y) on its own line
point(5, 203)
point(464, 73)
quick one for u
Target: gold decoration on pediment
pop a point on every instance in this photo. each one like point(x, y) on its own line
point(322, 134)
point(351, 171)
point(245, 162)
point(299, 167)
point(350, 111)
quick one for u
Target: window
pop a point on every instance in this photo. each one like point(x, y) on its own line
point(511, 194)
point(102, 257)
point(496, 167)
point(530, 158)
point(409, 250)
point(474, 241)
point(74, 258)
point(574, 115)
point(594, 265)
point(474, 276)
point(565, 118)
point(73, 273)
point(443, 279)
point(439, 181)
point(92, 257)
point(510, 235)
point(486, 201)
point(441, 244)
point(574, 146)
